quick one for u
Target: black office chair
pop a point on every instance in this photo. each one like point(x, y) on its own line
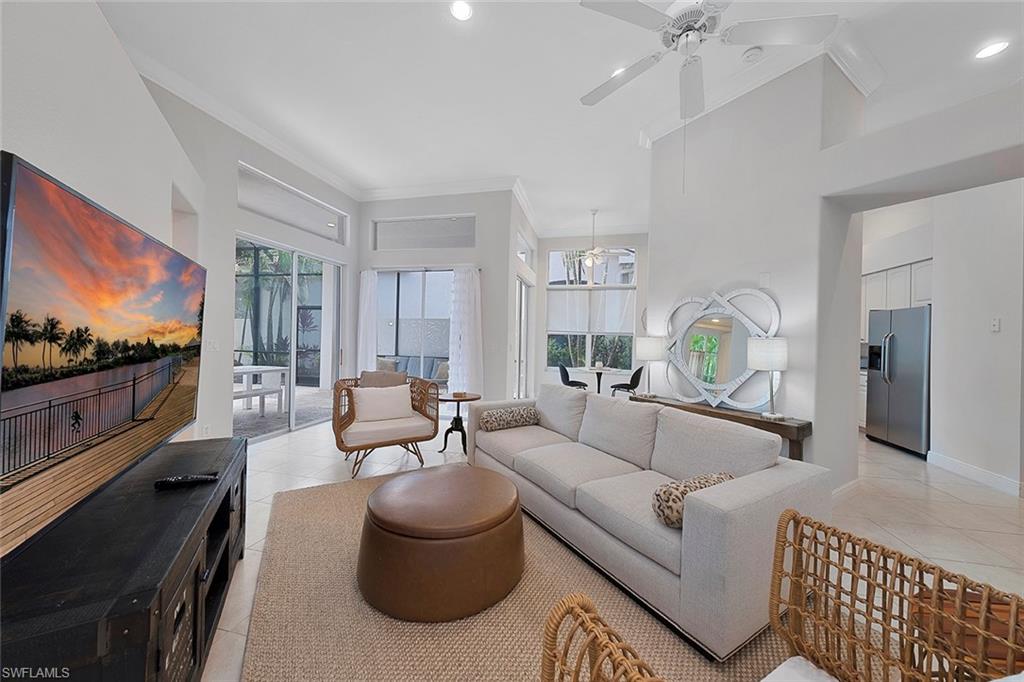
point(566, 381)
point(631, 385)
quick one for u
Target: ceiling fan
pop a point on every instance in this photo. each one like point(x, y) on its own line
point(686, 31)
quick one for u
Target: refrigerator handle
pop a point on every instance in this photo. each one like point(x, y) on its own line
point(886, 358)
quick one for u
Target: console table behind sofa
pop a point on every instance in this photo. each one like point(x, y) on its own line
point(793, 430)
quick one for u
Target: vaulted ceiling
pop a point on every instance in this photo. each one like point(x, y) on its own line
point(396, 95)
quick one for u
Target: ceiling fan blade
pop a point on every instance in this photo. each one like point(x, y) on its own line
point(633, 11)
point(691, 88)
point(620, 79)
point(783, 31)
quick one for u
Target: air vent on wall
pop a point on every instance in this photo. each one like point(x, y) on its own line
point(444, 232)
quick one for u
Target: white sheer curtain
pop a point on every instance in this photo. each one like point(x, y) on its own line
point(466, 344)
point(366, 343)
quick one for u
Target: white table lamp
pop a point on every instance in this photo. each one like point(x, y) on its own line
point(768, 355)
point(649, 349)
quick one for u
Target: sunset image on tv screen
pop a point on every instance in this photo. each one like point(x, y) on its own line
point(103, 327)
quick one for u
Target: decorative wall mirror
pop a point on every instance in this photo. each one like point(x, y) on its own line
point(707, 347)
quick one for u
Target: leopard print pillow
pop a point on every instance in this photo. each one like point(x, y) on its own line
point(509, 418)
point(668, 497)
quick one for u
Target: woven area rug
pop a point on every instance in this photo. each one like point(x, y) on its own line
point(309, 621)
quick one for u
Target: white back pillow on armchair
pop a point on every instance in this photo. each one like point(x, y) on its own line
point(379, 404)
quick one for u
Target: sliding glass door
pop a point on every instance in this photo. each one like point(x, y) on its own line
point(414, 310)
point(287, 349)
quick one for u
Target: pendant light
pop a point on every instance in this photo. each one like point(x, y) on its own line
point(594, 255)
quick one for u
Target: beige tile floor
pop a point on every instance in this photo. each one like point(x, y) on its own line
point(899, 501)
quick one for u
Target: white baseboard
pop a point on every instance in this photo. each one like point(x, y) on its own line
point(844, 488)
point(1001, 483)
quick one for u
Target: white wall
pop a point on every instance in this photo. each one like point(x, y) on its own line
point(493, 212)
point(752, 205)
point(976, 374)
point(216, 149)
point(73, 105)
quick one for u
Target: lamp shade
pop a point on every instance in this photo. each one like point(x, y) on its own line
point(650, 348)
point(771, 354)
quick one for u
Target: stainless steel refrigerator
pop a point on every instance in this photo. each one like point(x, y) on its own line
point(899, 358)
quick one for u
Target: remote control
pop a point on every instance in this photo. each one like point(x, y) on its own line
point(184, 481)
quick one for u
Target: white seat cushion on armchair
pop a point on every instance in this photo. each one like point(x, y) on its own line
point(362, 434)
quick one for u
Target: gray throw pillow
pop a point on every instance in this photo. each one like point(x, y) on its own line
point(509, 418)
point(669, 497)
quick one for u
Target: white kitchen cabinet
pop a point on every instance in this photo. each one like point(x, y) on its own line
point(873, 298)
point(897, 287)
point(921, 283)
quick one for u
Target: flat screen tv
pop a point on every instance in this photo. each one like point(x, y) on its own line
point(101, 338)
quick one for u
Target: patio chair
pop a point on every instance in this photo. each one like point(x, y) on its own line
point(631, 385)
point(579, 645)
point(853, 610)
point(363, 437)
point(571, 383)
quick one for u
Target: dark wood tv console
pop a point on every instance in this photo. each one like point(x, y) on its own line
point(129, 584)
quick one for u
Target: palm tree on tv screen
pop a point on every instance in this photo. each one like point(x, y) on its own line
point(77, 343)
point(51, 333)
point(20, 330)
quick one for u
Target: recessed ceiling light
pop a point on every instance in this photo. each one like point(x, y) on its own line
point(992, 50)
point(461, 10)
point(617, 71)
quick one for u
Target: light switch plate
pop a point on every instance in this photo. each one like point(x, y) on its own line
point(996, 325)
point(765, 280)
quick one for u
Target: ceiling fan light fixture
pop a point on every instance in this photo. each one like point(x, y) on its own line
point(595, 254)
point(461, 10)
point(992, 49)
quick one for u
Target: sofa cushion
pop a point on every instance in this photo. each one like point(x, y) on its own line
point(561, 409)
point(506, 444)
point(376, 404)
point(381, 379)
point(560, 468)
point(509, 418)
point(687, 445)
point(360, 434)
point(798, 669)
point(622, 506)
point(669, 498)
point(621, 428)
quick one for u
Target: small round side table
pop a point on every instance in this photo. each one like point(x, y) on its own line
point(456, 425)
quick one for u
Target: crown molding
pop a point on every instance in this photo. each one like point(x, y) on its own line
point(853, 57)
point(181, 87)
point(436, 189)
point(519, 190)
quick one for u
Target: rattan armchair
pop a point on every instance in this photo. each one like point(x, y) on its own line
point(579, 645)
point(863, 612)
point(424, 402)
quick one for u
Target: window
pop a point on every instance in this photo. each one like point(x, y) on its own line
point(414, 322)
point(591, 310)
point(524, 251)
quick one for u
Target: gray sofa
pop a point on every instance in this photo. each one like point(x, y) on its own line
point(588, 472)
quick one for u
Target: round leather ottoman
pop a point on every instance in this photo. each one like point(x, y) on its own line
point(441, 543)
